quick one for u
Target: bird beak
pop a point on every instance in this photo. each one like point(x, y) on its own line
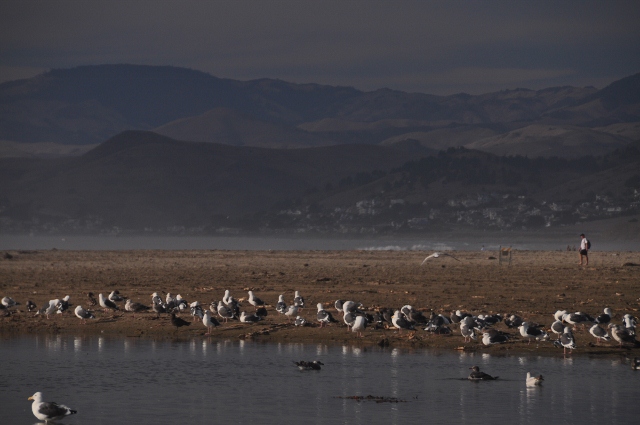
point(30, 398)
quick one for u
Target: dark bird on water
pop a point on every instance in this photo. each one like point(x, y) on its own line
point(178, 322)
point(304, 365)
point(476, 375)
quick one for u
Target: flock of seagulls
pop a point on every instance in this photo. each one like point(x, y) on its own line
point(357, 318)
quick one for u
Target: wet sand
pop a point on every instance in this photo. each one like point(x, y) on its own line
point(534, 286)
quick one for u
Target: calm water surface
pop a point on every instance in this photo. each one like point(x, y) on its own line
point(161, 382)
point(465, 243)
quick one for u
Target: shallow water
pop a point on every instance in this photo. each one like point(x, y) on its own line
point(491, 241)
point(156, 382)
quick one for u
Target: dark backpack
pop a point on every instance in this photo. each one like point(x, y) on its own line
point(588, 244)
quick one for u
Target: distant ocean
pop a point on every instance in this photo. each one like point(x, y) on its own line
point(459, 242)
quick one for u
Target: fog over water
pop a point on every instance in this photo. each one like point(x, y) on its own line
point(252, 243)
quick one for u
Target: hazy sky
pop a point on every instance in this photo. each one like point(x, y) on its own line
point(439, 47)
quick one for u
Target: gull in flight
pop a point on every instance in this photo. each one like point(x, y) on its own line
point(437, 255)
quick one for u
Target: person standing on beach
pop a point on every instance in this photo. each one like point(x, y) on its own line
point(584, 249)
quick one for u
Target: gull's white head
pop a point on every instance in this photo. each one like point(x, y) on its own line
point(37, 397)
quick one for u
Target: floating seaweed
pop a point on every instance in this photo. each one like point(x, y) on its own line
point(377, 399)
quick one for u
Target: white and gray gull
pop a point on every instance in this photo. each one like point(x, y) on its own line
point(48, 410)
point(533, 381)
point(324, 316)
point(255, 301)
point(107, 304)
point(83, 314)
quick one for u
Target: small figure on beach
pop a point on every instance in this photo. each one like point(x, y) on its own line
point(584, 250)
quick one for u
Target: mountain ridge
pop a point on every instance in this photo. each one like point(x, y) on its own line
point(88, 105)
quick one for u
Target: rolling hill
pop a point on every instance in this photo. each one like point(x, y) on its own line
point(144, 182)
point(90, 104)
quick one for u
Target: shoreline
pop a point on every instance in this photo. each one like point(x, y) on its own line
point(536, 285)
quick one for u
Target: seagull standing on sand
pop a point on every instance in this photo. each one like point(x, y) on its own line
point(292, 311)
point(9, 302)
point(558, 315)
point(359, 325)
point(629, 323)
point(399, 322)
point(63, 305)
point(83, 314)
point(623, 335)
point(209, 322)
point(488, 339)
point(533, 381)
point(557, 328)
point(298, 300)
point(281, 306)
point(467, 332)
point(351, 307)
point(196, 310)
point(599, 333)
point(438, 255)
point(224, 312)
point(605, 317)
point(349, 320)
point(134, 308)
point(107, 304)
point(155, 298)
point(170, 301)
point(53, 306)
point(566, 340)
point(249, 318)
point(49, 411)
point(255, 301)
point(115, 296)
point(324, 316)
point(530, 332)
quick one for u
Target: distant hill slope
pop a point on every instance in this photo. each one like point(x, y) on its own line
point(87, 105)
point(139, 179)
point(551, 140)
point(230, 127)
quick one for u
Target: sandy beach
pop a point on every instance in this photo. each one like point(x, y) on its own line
point(534, 286)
